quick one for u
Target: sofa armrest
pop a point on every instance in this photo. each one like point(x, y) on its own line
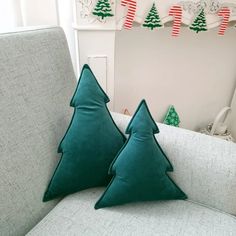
point(204, 166)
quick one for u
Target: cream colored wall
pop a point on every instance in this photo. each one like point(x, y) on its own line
point(196, 73)
point(48, 12)
point(45, 9)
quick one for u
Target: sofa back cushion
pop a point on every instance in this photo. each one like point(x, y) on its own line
point(36, 83)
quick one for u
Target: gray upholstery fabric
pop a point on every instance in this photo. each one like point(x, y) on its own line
point(36, 84)
point(75, 215)
point(204, 167)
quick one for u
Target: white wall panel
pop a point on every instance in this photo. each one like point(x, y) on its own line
point(98, 64)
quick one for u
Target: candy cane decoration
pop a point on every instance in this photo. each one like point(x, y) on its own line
point(176, 12)
point(132, 6)
point(225, 13)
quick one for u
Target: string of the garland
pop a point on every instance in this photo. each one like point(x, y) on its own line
point(153, 21)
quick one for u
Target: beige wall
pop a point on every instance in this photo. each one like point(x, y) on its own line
point(196, 73)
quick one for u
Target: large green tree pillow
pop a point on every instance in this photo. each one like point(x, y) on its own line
point(140, 168)
point(90, 143)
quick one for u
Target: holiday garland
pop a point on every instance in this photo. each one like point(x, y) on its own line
point(176, 12)
point(225, 14)
point(103, 10)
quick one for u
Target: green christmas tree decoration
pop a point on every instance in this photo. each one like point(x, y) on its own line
point(153, 20)
point(103, 9)
point(90, 143)
point(140, 168)
point(172, 117)
point(199, 24)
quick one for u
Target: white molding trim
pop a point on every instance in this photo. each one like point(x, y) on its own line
point(92, 28)
point(57, 12)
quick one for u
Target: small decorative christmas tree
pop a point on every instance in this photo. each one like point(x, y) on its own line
point(172, 117)
point(152, 20)
point(199, 24)
point(103, 9)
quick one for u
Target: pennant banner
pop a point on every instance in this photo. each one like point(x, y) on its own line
point(176, 12)
point(132, 6)
point(225, 13)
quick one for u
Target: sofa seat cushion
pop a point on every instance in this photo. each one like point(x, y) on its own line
point(75, 215)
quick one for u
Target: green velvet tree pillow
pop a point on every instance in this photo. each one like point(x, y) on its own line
point(90, 144)
point(140, 168)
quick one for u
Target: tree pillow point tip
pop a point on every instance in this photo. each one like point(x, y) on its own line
point(88, 87)
point(142, 120)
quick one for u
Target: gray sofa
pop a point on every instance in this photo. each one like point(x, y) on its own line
point(36, 84)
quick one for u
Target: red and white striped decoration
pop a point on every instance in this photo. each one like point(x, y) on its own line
point(176, 12)
point(132, 6)
point(225, 13)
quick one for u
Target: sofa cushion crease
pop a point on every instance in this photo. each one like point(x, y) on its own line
point(212, 208)
point(75, 215)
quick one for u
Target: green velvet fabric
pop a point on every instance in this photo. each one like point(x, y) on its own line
point(90, 143)
point(139, 170)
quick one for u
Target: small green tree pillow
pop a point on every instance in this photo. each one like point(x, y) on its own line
point(90, 143)
point(140, 169)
